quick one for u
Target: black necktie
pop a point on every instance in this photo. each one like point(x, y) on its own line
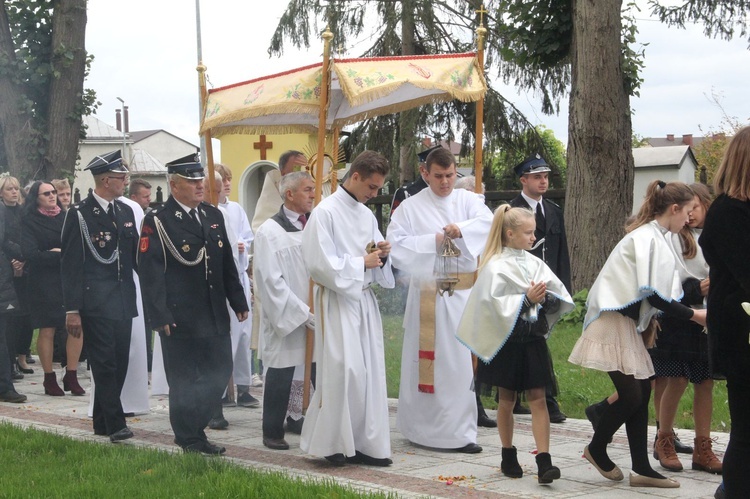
point(111, 213)
point(541, 223)
point(194, 216)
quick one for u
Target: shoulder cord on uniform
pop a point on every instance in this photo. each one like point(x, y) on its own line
point(166, 241)
point(86, 237)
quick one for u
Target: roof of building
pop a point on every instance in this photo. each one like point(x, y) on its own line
point(662, 157)
point(145, 164)
point(97, 129)
point(675, 140)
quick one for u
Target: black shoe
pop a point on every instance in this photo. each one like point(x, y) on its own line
point(336, 459)
point(227, 402)
point(121, 435)
point(720, 492)
point(360, 458)
point(557, 417)
point(547, 472)
point(24, 370)
point(680, 447)
point(594, 414)
point(275, 443)
point(15, 374)
point(521, 410)
point(30, 359)
point(294, 425)
point(13, 397)
point(509, 463)
point(486, 421)
point(247, 400)
point(204, 447)
point(219, 423)
point(471, 448)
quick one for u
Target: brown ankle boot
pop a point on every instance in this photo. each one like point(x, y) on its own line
point(704, 458)
point(665, 451)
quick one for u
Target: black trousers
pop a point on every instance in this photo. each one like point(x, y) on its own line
point(198, 370)
point(277, 386)
point(737, 458)
point(107, 342)
point(6, 383)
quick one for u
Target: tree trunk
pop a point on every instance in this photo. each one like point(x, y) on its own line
point(407, 119)
point(16, 123)
point(66, 87)
point(600, 159)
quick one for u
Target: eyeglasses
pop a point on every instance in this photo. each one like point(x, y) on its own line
point(48, 193)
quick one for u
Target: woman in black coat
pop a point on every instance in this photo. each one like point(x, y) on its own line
point(42, 224)
point(726, 245)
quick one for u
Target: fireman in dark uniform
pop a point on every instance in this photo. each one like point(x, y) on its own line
point(99, 244)
point(188, 275)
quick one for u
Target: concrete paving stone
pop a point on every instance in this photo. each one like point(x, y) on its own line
point(416, 470)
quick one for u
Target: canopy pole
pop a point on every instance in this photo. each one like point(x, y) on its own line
point(479, 127)
point(335, 160)
point(324, 83)
point(209, 152)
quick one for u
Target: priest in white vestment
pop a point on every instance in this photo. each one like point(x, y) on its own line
point(282, 283)
point(345, 253)
point(436, 405)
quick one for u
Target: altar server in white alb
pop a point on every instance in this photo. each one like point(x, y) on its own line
point(282, 283)
point(345, 253)
point(436, 404)
point(238, 223)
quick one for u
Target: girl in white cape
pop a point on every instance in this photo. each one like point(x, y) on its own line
point(638, 280)
point(512, 307)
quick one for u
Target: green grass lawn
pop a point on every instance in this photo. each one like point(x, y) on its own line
point(40, 464)
point(578, 387)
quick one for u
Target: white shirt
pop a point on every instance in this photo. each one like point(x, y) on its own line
point(533, 202)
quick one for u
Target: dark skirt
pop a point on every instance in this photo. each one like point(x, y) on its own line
point(519, 366)
point(47, 318)
point(695, 371)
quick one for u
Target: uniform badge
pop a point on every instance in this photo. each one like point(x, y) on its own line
point(178, 214)
point(221, 244)
point(185, 248)
point(203, 212)
point(144, 244)
point(214, 226)
point(128, 224)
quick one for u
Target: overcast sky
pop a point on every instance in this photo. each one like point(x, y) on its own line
point(146, 53)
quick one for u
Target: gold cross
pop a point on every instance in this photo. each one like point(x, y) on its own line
point(481, 13)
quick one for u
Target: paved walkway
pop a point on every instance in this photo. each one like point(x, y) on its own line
point(416, 471)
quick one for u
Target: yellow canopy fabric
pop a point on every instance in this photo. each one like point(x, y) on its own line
point(360, 88)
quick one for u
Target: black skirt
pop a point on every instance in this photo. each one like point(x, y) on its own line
point(519, 366)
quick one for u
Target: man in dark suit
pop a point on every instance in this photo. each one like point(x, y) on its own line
point(188, 275)
point(99, 244)
point(551, 243)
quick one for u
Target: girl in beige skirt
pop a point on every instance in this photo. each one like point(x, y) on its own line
point(637, 281)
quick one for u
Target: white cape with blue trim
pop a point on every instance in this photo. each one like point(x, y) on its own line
point(496, 299)
point(641, 264)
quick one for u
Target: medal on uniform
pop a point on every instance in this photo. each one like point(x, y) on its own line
point(221, 244)
point(185, 248)
point(102, 243)
point(371, 247)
